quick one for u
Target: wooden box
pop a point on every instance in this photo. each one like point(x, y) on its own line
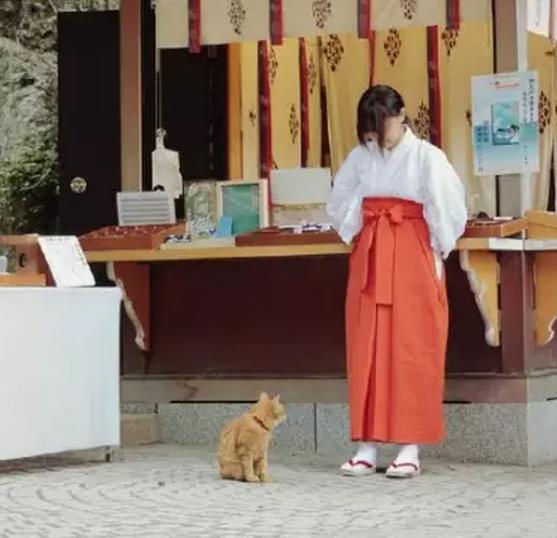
point(486, 227)
point(28, 258)
point(130, 237)
point(542, 224)
point(285, 237)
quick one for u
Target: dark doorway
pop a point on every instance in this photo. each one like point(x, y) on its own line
point(193, 107)
point(89, 119)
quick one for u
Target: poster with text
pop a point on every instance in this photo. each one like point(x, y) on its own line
point(505, 123)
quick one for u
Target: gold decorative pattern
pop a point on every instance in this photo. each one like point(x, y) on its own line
point(393, 45)
point(293, 124)
point(312, 74)
point(544, 112)
point(333, 51)
point(237, 15)
point(409, 8)
point(321, 11)
point(423, 122)
point(469, 117)
point(450, 38)
point(273, 65)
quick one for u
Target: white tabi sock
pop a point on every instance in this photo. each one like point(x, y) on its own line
point(408, 454)
point(366, 452)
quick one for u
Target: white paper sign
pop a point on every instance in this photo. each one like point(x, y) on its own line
point(539, 15)
point(66, 261)
point(301, 186)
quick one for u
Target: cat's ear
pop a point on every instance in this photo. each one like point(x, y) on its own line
point(263, 397)
point(277, 398)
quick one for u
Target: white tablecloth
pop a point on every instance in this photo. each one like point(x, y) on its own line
point(59, 370)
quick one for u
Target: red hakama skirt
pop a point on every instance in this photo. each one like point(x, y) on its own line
point(396, 328)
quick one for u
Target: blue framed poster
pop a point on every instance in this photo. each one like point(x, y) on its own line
point(505, 133)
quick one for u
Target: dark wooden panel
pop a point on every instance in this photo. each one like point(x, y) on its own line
point(467, 348)
point(282, 317)
point(256, 317)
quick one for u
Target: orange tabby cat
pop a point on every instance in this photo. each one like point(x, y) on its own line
point(244, 442)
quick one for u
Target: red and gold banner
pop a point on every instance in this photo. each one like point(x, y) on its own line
point(216, 22)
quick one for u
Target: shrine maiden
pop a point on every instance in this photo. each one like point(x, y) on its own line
point(400, 203)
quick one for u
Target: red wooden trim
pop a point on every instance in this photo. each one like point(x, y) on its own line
point(265, 155)
point(276, 19)
point(194, 26)
point(304, 100)
point(434, 84)
point(372, 43)
point(453, 14)
point(364, 18)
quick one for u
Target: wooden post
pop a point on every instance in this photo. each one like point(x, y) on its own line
point(130, 95)
point(234, 112)
point(515, 197)
point(510, 33)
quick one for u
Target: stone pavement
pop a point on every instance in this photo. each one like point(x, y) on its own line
point(173, 491)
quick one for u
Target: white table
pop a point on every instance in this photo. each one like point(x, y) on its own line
point(59, 370)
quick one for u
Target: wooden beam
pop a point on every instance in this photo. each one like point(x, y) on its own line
point(466, 388)
point(130, 95)
point(510, 37)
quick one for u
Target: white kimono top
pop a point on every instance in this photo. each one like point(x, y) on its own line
point(413, 170)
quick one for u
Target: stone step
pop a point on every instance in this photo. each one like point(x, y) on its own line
point(138, 429)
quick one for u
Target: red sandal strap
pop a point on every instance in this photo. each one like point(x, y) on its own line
point(361, 462)
point(399, 465)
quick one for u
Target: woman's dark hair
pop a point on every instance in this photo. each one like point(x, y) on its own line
point(376, 105)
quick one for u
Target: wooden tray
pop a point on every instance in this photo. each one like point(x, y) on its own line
point(542, 224)
point(276, 236)
point(495, 227)
point(130, 237)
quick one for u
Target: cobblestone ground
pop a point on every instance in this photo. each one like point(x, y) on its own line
point(169, 491)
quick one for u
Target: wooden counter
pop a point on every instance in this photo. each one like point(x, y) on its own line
point(278, 311)
point(220, 253)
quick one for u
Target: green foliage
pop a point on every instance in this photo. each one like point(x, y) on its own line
point(28, 188)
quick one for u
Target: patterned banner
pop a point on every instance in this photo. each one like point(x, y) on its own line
point(401, 61)
point(284, 74)
point(305, 18)
point(232, 21)
point(213, 22)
